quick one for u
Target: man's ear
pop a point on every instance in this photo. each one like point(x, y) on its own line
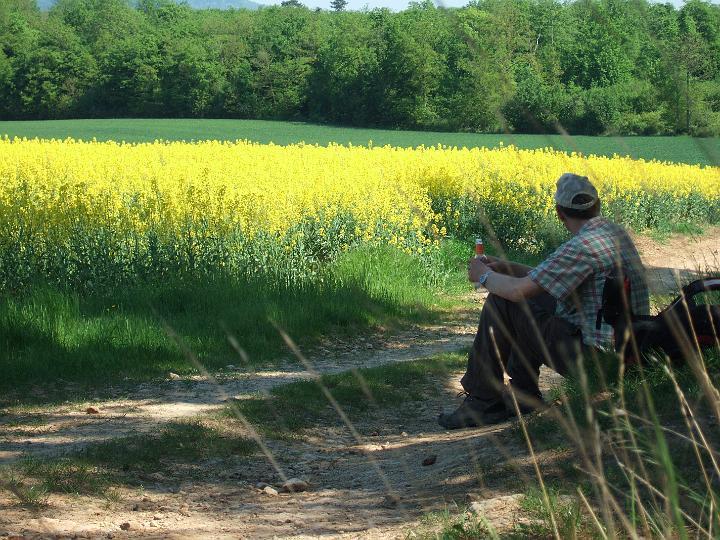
point(560, 215)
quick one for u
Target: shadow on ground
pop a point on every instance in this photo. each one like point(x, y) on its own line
point(376, 484)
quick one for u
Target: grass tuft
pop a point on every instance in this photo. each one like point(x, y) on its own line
point(453, 524)
point(30, 495)
point(565, 510)
point(179, 448)
point(289, 409)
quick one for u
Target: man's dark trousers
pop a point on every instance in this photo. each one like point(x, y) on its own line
point(520, 337)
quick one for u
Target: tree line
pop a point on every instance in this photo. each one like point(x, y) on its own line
point(584, 66)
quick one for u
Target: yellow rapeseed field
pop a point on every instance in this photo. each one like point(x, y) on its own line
point(61, 201)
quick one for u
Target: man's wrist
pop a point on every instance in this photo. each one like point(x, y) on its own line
point(483, 279)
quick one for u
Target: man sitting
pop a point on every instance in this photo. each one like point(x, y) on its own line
point(547, 314)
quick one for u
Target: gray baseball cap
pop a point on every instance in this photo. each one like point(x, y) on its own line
point(570, 186)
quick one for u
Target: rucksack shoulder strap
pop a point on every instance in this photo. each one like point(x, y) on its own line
point(694, 288)
point(615, 299)
point(702, 285)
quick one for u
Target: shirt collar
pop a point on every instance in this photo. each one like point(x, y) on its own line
point(591, 224)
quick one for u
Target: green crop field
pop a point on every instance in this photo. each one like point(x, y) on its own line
point(704, 151)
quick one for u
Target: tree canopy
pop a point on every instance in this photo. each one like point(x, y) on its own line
point(585, 66)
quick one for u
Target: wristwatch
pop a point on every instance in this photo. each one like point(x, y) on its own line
point(483, 278)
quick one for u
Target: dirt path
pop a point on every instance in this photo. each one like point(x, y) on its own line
point(152, 404)
point(348, 477)
point(349, 481)
point(681, 258)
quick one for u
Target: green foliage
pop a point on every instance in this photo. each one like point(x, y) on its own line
point(651, 432)
point(48, 332)
point(555, 506)
point(594, 67)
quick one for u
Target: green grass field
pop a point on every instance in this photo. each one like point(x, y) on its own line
point(48, 334)
point(676, 149)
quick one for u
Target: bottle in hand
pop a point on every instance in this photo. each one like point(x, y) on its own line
point(479, 247)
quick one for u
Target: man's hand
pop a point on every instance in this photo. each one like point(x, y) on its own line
point(476, 268)
point(513, 288)
point(502, 266)
point(496, 264)
point(509, 268)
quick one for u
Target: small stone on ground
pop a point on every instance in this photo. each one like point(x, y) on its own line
point(294, 485)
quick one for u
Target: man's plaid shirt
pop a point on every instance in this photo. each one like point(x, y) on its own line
point(575, 275)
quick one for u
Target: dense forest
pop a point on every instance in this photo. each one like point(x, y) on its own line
point(585, 66)
point(199, 4)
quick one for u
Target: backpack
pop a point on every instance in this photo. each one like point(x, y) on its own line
point(679, 330)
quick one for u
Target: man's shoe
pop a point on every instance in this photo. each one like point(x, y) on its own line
point(469, 414)
point(504, 409)
point(496, 413)
point(527, 403)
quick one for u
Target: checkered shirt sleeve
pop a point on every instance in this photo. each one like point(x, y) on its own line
point(563, 271)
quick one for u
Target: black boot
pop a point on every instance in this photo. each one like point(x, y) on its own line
point(504, 409)
point(497, 412)
point(469, 414)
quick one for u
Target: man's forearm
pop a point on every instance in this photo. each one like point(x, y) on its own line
point(520, 270)
point(510, 268)
point(512, 288)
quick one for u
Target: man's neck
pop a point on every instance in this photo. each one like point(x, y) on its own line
point(574, 225)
